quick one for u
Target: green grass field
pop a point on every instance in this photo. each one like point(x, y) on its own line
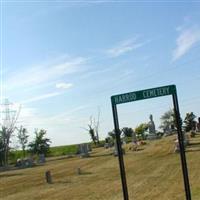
point(63, 150)
point(54, 151)
point(153, 173)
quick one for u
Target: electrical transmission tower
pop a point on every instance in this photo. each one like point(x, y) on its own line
point(9, 114)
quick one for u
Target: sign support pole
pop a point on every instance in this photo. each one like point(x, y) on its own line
point(120, 153)
point(182, 148)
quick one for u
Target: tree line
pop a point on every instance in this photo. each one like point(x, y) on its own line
point(168, 123)
point(39, 145)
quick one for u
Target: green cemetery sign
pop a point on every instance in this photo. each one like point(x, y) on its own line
point(143, 94)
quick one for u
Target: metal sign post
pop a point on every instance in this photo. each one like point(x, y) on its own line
point(182, 147)
point(120, 153)
point(141, 95)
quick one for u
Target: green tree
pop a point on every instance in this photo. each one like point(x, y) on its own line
point(23, 138)
point(92, 134)
point(40, 145)
point(127, 132)
point(93, 130)
point(189, 121)
point(111, 134)
point(140, 129)
point(4, 145)
point(167, 120)
point(2, 148)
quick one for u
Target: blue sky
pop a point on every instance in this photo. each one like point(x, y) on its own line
point(62, 61)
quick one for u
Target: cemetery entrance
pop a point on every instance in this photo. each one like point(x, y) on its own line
point(142, 95)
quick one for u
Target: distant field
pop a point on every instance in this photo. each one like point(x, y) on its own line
point(54, 151)
point(63, 150)
point(153, 173)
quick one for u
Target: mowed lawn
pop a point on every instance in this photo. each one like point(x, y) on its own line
point(154, 173)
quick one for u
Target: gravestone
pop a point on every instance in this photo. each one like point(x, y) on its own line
point(185, 142)
point(18, 163)
point(48, 177)
point(89, 147)
point(28, 162)
point(83, 150)
point(41, 158)
point(186, 139)
point(115, 152)
point(78, 171)
point(152, 130)
point(198, 125)
point(134, 137)
point(177, 147)
point(25, 163)
point(108, 143)
point(134, 146)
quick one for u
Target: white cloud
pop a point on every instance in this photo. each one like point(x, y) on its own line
point(42, 97)
point(67, 114)
point(93, 73)
point(41, 75)
point(32, 118)
point(64, 85)
point(185, 41)
point(124, 47)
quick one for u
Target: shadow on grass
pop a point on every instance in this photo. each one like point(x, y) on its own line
point(101, 155)
point(140, 149)
point(62, 182)
point(10, 175)
point(192, 150)
point(194, 144)
point(85, 173)
point(50, 159)
point(68, 181)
